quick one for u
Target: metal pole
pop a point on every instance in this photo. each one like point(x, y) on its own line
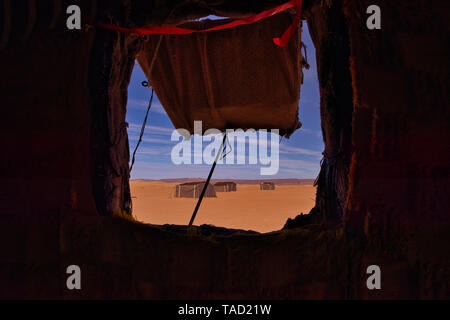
point(207, 182)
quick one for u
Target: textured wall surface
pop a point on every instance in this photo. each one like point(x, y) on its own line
point(45, 126)
point(382, 194)
point(127, 260)
point(400, 170)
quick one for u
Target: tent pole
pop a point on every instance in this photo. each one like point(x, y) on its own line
point(199, 202)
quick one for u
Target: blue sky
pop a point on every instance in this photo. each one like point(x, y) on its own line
point(299, 155)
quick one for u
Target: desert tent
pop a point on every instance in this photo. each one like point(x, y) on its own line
point(225, 186)
point(228, 79)
point(193, 190)
point(267, 185)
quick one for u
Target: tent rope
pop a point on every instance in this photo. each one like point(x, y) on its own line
point(142, 132)
point(146, 84)
point(228, 145)
point(305, 63)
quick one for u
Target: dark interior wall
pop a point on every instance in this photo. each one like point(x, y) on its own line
point(64, 150)
point(110, 70)
point(396, 139)
point(63, 127)
point(328, 28)
point(400, 168)
point(45, 124)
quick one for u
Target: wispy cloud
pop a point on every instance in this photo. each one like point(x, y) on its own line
point(299, 164)
point(151, 140)
point(136, 128)
point(286, 149)
point(155, 150)
point(142, 104)
point(317, 133)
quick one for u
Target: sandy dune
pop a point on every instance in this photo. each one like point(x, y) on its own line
point(249, 208)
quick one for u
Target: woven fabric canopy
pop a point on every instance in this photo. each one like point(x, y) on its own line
point(228, 79)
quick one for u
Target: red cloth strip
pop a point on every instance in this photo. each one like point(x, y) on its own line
point(287, 35)
point(282, 42)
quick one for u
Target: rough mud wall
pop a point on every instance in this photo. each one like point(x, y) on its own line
point(45, 125)
point(400, 168)
point(63, 130)
point(64, 155)
point(125, 260)
point(396, 211)
point(328, 29)
point(110, 70)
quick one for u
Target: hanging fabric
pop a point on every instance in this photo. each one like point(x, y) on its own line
point(229, 79)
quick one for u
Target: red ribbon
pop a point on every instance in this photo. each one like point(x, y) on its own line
point(282, 42)
point(287, 35)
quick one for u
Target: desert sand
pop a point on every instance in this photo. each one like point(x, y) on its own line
point(248, 208)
